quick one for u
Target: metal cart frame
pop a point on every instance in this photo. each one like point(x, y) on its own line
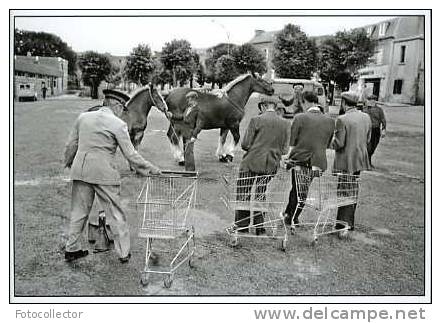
point(261, 196)
point(323, 193)
point(166, 200)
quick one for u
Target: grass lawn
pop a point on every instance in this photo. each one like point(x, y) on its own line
point(384, 256)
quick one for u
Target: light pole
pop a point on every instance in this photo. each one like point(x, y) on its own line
point(227, 33)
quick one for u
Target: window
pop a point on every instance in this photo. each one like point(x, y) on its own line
point(319, 91)
point(379, 57)
point(403, 54)
point(55, 83)
point(265, 52)
point(382, 30)
point(22, 87)
point(28, 86)
point(398, 84)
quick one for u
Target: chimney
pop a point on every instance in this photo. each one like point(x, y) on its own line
point(258, 32)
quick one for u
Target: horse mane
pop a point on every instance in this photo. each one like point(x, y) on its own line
point(238, 79)
point(136, 94)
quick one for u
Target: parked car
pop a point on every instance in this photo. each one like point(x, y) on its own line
point(285, 88)
point(26, 91)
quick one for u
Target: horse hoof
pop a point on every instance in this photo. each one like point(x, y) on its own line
point(223, 159)
point(181, 163)
point(229, 158)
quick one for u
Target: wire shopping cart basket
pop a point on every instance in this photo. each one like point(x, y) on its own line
point(257, 202)
point(323, 193)
point(165, 201)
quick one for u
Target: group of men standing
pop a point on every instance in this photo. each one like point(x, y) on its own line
point(311, 132)
point(269, 138)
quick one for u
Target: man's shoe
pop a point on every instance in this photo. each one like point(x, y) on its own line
point(73, 255)
point(125, 259)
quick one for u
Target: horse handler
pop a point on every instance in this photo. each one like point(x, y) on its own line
point(89, 153)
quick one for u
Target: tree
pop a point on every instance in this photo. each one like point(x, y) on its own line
point(343, 54)
point(95, 68)
point(248, 59)
point(140, 65)
point(160, 75)
point(214, 53)
point(295, 56)
point(225, 69)
point(178, 58)
point(115, 76)
point(43, 44)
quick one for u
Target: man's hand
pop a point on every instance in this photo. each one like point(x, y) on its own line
point(155, 171)
point(168, 114)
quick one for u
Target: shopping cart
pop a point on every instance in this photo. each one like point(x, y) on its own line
point(165, 201)
point(257, 202)
point(323, 193)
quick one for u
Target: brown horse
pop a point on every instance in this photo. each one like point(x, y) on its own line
point(223, 112)
point(137, 109)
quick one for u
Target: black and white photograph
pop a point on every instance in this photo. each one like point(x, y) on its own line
point(204, 154)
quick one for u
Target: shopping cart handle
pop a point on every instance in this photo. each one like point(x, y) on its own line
point(225, 179)
point(176, 173)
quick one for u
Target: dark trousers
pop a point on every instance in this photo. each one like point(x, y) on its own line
point(375, 139)
point(347, 213)
point(296, 199)
point(244, 186)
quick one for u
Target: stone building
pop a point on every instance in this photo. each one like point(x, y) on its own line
point(396, 72)
point(36, 72)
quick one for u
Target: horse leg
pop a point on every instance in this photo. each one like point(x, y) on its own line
point(189, 155)
point(220, 151)
point(232, 148)
point(175, 137)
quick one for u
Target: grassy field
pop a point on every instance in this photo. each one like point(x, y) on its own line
point(384, 256)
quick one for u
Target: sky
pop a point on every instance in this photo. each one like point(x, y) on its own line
point(118, 35)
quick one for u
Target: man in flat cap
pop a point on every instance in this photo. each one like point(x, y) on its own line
point(311, 134)
point(265, 141)
point(378, 124)
point(351, 137)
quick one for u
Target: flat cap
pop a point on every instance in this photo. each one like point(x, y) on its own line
point(351, 98)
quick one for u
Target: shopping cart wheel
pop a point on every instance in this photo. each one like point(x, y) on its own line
point(314, 241)
point(190, 263)
point(233, 241)
point(343, 234)
point(168, 280)
point(144, 279)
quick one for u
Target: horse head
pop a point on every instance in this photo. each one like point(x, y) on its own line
point(157, 99)
point(261, 85)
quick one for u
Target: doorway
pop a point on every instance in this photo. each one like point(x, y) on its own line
point(374, 84)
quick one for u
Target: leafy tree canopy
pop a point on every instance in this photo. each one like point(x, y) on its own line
point(140, 65)
point(43, 44)
point(225, 69)
point(95, 68)
point(249, 59)
point(295, 55)
point(178, 57)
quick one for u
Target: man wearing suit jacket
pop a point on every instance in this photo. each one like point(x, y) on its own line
point(265, 141)
point(351, 139)
point(311, 134)
point(89, 153)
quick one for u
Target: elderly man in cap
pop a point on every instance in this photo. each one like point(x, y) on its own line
point(378, 124)
point(351, 137)
point(89, 153)
point(265, 141)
